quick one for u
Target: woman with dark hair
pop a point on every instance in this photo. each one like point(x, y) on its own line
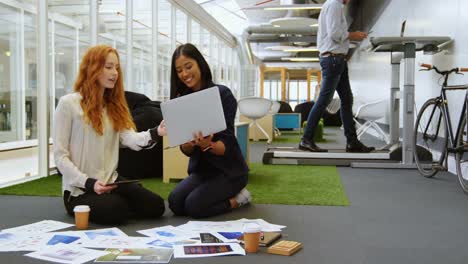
point(90, 124)
point(217, 170)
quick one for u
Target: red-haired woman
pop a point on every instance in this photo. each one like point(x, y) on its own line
point(89, 126)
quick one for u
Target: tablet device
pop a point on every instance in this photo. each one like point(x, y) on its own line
point(198, 111)
point(122, 182)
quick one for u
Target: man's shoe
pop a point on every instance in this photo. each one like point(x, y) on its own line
point(357, 146)
point(310, 146)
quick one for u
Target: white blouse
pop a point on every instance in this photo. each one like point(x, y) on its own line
point(80, 153)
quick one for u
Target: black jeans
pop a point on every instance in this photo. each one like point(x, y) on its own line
point(127, 200)
point(334, 78)
point(205, 194)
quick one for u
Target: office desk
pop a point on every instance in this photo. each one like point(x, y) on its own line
point(402, 48)
point(175, 163)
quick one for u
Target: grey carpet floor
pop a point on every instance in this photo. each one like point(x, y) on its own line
point(395, 216)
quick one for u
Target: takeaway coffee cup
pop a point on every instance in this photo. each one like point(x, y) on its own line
point(251, 237)
point(81, 216)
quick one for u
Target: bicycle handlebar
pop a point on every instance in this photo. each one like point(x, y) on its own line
point(428, 67)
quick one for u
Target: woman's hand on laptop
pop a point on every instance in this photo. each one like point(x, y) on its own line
point(201, 141)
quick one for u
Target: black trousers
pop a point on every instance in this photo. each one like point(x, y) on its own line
point(205, 194)
point(127, 200)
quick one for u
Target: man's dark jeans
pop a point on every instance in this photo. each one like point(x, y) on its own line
point(334, 77)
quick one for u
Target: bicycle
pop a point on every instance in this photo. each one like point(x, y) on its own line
point(432, 126)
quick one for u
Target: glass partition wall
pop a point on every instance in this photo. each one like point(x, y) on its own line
point(142, 42)
point(164, 49)
point(10, 56)
point(28, 122)
point(18, 90)
point(70, 28)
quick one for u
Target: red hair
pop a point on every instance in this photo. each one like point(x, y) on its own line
point(93, 102)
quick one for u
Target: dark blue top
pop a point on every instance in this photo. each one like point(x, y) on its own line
point(232, 163)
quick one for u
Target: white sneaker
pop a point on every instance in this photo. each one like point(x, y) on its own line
point(243, 197)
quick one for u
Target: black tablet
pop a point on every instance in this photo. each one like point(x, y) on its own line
point(122, 182)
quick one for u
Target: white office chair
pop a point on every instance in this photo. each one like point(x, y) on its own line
point(370, 112)
point(334, 106)
point(275, 106)
point(255, 108)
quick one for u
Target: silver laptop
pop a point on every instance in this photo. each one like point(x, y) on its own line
point(186, 115)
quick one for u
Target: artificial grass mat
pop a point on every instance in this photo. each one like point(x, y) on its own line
point(269, 184)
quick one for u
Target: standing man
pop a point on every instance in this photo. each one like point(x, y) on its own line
point(333, 43)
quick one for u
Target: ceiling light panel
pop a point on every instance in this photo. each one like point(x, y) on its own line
point(302, 59)
point(287, 7)
point(293, 22)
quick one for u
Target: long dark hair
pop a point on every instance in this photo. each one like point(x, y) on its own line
point(178, 88)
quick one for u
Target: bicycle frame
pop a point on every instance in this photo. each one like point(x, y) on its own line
point(452, 137)
point(442, 99)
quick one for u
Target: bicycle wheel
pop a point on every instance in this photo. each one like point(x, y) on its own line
point(461, 156)
point(430, 138)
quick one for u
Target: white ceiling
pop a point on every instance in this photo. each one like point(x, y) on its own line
point(238, 15)
point(234, 15)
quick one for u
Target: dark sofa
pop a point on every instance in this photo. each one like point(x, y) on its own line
point(145, 163)
point(329, 119)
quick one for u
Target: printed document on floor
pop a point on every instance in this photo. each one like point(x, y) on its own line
point(137, 255)
point(116, 242)
point(208, 250)
point(39, 227)
point(66, 254)
point(168, 233)
point(228, 226)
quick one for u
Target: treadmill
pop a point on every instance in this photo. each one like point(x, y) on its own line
point(398, 154)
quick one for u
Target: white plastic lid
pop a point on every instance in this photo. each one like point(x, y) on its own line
point(81, 208)
point(252, 228)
